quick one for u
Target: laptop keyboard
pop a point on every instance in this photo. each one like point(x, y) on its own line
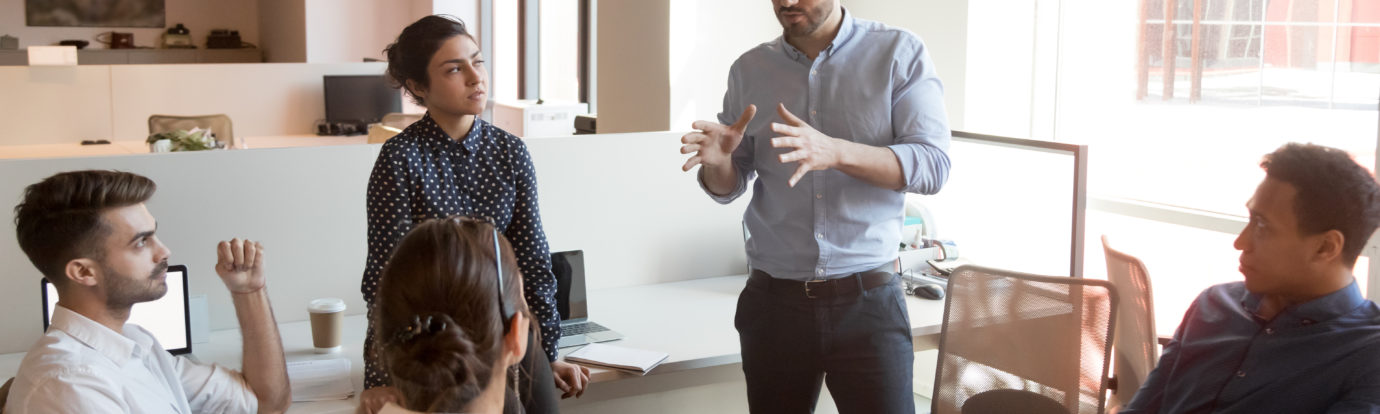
point(582, 329)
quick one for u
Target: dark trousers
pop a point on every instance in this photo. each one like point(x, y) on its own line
point(858, 343)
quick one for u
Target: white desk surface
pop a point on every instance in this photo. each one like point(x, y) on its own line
point(127, 147)
point(690, 320)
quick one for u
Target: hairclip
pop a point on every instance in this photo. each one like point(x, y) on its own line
point(419, 326)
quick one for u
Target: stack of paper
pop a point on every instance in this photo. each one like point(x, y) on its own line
point(320, 379)
point(626, 359)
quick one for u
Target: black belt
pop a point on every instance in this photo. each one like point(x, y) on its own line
point(827, 288)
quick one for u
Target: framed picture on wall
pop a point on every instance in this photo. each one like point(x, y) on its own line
point(104, 13)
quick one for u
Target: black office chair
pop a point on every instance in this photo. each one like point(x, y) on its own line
point(1011, 339)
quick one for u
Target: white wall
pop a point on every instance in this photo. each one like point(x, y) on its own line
point(634, 89)
point(706, 37)
point(54, 104)
point(284, 27)
point(199, 16)
point(351, 30)
point(68, 104)
point(620, 198)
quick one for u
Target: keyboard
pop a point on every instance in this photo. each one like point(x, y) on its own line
point(581, 328)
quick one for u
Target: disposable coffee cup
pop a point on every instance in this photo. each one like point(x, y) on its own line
point(327, 316)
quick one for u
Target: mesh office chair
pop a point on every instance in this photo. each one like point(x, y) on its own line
point(1136, 346)
point(1020, 343)
point(219, 124)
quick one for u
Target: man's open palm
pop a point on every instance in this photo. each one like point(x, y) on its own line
point(713, 143)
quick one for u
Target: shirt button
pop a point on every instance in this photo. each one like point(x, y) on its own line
point(812, 112)
point(819, 196)
point(1269, 331)
point(1241, 374)
point(819, 271)
point(819, 235)
point(814, 72)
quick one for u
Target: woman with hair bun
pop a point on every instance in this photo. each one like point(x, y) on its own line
point(453, 163)
point(450, 321)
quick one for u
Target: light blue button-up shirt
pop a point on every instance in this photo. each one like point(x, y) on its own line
point(873, 85)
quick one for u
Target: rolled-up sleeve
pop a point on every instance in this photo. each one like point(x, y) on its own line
point(742, 157)
point(212, 388)
point(920, 122)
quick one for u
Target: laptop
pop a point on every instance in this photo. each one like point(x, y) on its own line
point(576, 328)
point(167, 318)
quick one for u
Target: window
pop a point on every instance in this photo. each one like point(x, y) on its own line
point(1176, 132)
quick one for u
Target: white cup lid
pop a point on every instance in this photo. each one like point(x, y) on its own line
point(326, 305)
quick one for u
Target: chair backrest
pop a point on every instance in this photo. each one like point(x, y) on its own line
point(399, 120)
point(219, 124)
point(1043, 335)
point(1136, 344)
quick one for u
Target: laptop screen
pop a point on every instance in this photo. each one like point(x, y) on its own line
point(569, 269)
point(165, 317)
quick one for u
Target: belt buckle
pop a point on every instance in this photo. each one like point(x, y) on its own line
point(809, 294)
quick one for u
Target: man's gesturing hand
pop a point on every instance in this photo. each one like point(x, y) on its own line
point(813, 150)
point(713, 143)
point(240, 265)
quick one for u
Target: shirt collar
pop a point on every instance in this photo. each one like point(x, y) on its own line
point(1322, 309)
point(113, 345)
point(432, 132)
point(846, 29)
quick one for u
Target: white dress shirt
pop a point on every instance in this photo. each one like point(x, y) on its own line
point(80, 366)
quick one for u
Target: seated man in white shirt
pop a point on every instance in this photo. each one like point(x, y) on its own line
point(89, 233)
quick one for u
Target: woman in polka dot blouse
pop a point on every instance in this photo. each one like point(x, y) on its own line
point(453, 163)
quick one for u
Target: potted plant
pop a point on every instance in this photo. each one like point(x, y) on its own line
point(181, 140)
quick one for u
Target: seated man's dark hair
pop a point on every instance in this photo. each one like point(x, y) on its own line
point(1334, 193)
point(59, 219)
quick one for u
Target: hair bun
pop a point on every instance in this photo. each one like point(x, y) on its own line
point(436, 356)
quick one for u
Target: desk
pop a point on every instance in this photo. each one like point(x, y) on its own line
point(128, 147)
point(690, 320)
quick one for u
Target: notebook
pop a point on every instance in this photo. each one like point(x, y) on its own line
point(576, 328)
point(637, 361)
point(166, 318)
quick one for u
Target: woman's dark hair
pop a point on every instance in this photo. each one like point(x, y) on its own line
point(59, 219)
point(409, 55)
point(1334, 193)
point(437, 317)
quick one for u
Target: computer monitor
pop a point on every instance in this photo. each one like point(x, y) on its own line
point(359, 99)
point(166, 318)
point(1014, 204)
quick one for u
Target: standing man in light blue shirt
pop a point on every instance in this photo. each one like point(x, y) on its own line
point(859, 121)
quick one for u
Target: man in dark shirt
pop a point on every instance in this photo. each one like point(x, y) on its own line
point(1296, 336)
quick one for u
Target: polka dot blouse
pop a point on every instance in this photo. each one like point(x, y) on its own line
point(422, 174)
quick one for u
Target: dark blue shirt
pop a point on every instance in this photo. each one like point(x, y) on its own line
point(422, 174)
point(1321, 356)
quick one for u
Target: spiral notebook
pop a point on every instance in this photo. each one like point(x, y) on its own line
point(637, 361)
